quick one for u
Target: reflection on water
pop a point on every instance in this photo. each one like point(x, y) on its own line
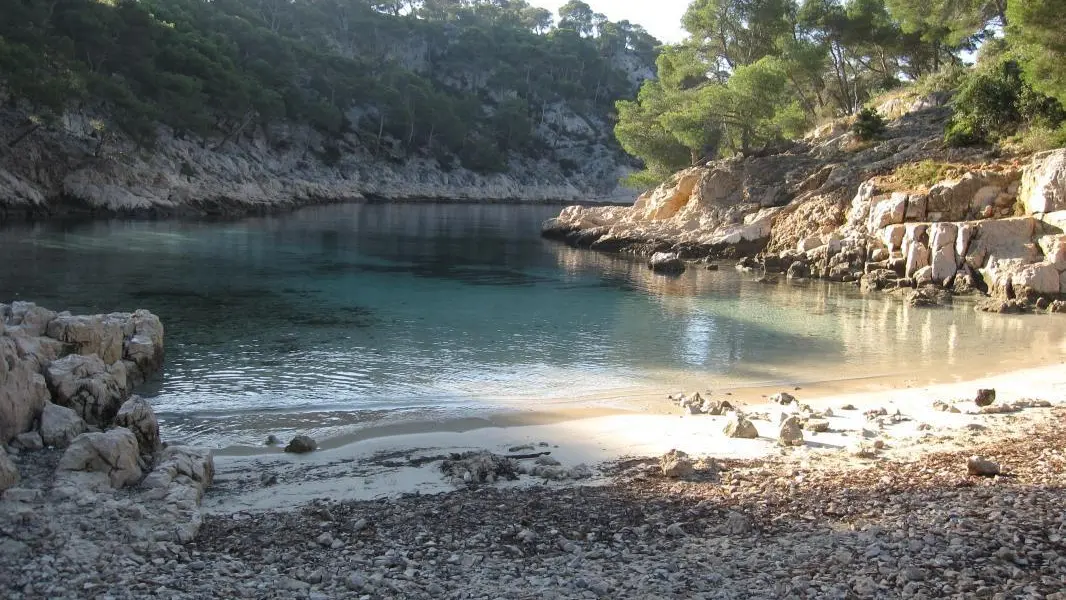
point(346, 315)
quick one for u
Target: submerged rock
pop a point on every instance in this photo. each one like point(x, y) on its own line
point(666, 262)
point(301, 444)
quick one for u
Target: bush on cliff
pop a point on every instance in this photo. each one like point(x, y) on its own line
point(995, 101)
point(868, 125)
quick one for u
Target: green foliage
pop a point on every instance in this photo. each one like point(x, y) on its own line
point(868, 125)
point(422, 76)
point(994, 102)
point(1038, 33)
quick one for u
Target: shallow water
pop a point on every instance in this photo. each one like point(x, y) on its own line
point(337, 318)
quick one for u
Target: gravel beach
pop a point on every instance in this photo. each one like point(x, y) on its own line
point(790, 525)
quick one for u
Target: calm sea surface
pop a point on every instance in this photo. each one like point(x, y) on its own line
point(341, 317)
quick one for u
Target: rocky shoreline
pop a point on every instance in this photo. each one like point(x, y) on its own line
point(901, 213)
point(954, 498)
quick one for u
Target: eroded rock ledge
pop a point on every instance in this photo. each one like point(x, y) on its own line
point(85, 468)
point(825, 210)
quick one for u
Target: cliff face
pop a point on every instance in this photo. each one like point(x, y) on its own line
point(834, 208)
point(66, 167)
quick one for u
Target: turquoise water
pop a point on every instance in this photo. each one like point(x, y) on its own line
point(340, 317)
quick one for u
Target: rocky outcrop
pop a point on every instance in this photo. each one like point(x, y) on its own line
point(88, 364)
point(113, 454)
point(819, 211)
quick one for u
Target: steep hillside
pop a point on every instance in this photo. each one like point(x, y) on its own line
point(182, 104)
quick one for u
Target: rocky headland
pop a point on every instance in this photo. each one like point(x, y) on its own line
point(903, 212)
point(85, 478)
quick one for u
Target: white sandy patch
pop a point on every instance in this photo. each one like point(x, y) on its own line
point(387, 466)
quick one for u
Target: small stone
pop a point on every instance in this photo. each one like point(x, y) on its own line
point(985, 397)
point(981, 466)
point(326, 539)
point(737, 524)
point(782, 398)
point(738, 426)
point(816, 425)
point(272, 440)
point(914, 574)
point(848, 407)
point(301, 444)
point(675, 530)
point(790, 434)
point(676, 464)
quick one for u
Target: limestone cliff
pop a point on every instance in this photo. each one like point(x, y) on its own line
point(835, 208)
point(68, 168)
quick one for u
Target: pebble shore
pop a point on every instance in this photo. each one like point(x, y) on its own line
point(778, 527)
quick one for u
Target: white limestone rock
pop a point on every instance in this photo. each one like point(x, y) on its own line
point(112, 453)
point(917, 258)
point(887, 212)
point(1043, 188)
point(60, 425)
point(84, 383)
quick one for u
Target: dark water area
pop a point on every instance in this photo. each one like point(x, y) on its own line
point(346, 315)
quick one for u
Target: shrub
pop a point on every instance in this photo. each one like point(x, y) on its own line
point(868, 125)
point(994, 102)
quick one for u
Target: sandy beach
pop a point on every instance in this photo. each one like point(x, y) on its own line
point(402, 460)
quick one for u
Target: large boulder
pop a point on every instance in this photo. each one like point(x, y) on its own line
point(9, 473)
point(1044, 183)
point(136, 414)
point(113, 453)
point(101, 335)
point(84, 383)
point(60, 425)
